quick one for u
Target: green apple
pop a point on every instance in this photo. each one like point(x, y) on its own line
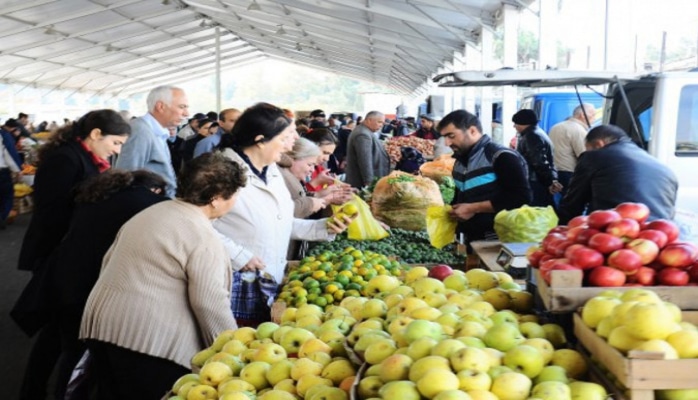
point(446, 347)
point(234, 362)
point(426, 285)
point(404, 390)
point(650, 321)
point(552, 390)
point(456, 282)
point(305, 366)
point(200, 358)
point(213, 373)
point(464, 298)
point(498, 297)
point(376, 352)
point(328, 393)
point(597, 308)
point(279, 371)
point(622, 339)
point(467, 328)
point(503, 337)
point(320, 357)
point(270, 353)
point(184, 379)
point(437, 381)
point(471, 380)
point(245, 334)
point(266, 329)
point(478, 394)
point(369, 387)
point(309, 309)
point(421, 328)
point(374, 308)
point(511, 386)
point(308, 381)
point(234, 347)
point(452, 395)
point(202, 392)
point(495, 371)
point(429, 363)
point(572, 361)
point(369, 338)
point(395, 368)
point(659, 346)
point(581, 390)
point(525, 359)
point(408, 304)
point(235, 385)
point(521, 300)
point(421, 347)
point(471, 341)
point(186, 387)
point(641, 295)
point(552, 373)
point(288, 385)
point(543, 346)
point(313, 345)
point(342, 325)
point(504, 316)
point(484, 308)
point(531, 330)
point(338, 370)
point(237, 396)
point(481, 279)
point(470, 358)
point(620, 311)
point(279, 333)
point(426, 313)
point(381, 284)
point(222, 339)
point(399, 323)
point(294, 338)
point(605, 327)
point(685, 342)
point(255, 373)
point(555, 335)
point(276, 395)
point(434, 299)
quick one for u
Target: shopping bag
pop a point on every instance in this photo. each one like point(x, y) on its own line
point(525, 224)
point(364, 226)
point(440, 226)
point(251, 297)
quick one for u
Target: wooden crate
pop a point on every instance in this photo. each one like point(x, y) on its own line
point(641, 372)
point(566, 294)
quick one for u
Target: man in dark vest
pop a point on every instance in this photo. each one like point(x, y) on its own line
point(489, 177)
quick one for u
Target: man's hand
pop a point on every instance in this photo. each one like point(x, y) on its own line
point(463, 211)
point(556, 187)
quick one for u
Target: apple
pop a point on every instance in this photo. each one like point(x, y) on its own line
point(551, 390)
point(625, 228)
point(440, 271)
point(657, 236)
point(645, 248)
point(524, 359)
point(586, 258)
point(305, 366)
point(279, 371)
point(503, 337)
point(470, 358)
point(599, 219)
point(534, 255)
point(446, 347)
point(425, 364)
point(511, 385)
point(552, 373)
point(666, 226)
point(580, 220)
point(549, 239)
point(421, 328)
point(396, 367)
point(644, 276)
point(605, 243)
point(294, 338)
point(678, 254)
point(606, 277)
point(203, 392)
point(437, 381)
point(587, 391)
point(673, 277)
point(558, 247)
point(597, 308)
point(585, 234)
point(399, 390)
point(625, 260)
point(693, 271)
point(647, 321)
point(265, 330)
point(570, 249)
point(685, 342)
point(473, 380)
point(659, 346)
point(255, 374)
point(636, 211)
point(572, 361)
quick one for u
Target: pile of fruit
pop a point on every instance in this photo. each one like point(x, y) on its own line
point(393, 146)
point(22, 189)
point(428, 334)
point(618, 247)
point(407, 246)
point(638, 319)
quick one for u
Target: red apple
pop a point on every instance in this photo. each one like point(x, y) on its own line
point(624, 228)
point(678, 254)
point(580, 220)
point(637, 211)
point(440, 271)
point(655, 265)
point(645, 248)
point(586, 258)
point(558, 247)
point(559, 229)
point(693, 272)
point(533, 255)
point(654, 235)
point(605, 243)
point(549, 239)
point(599, 219)
point(544, 258)
point(666, 226)
point(571, 248)
point(673, 277)
point(625, 260)
point(606, 277)
point(586, 234)
point(645, 276)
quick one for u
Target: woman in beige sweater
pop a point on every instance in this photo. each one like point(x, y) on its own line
point(164, 289)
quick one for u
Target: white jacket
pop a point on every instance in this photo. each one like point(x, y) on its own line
point(261, 222)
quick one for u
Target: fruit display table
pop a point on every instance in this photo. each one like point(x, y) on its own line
point(491, 255)
point(641, 373)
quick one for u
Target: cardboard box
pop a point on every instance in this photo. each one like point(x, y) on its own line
point(640, 372)
point(565, 292)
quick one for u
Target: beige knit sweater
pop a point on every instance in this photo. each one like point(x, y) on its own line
point(164, 288)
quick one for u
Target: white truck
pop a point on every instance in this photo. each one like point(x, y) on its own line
point(659, 112)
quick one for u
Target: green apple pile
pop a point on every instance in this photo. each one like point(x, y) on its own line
point(272, 362)
point(329, 277)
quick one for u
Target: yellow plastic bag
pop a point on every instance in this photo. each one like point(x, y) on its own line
point(440, 226)
point(365, 226)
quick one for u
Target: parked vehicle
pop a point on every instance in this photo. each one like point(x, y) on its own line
point(659, 112)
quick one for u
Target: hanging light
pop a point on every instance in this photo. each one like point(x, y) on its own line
point(254, 6)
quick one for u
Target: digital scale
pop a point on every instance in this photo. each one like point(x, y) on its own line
point(512, 258)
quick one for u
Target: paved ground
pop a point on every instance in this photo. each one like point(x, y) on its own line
point(14, 345)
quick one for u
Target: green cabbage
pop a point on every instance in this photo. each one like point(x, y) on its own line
point(525, 224)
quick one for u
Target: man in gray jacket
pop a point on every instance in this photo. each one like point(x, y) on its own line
point(367, 158)
point(147, 147)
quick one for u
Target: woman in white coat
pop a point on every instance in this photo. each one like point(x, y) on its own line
point(262, 223)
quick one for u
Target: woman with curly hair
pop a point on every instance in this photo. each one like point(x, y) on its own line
point(164, 289)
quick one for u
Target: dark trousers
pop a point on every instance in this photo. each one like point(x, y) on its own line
point(7, 193)
point(120, 373)
point(564, 178)
point(42, 360)
point(541, 195)
point(72, 348)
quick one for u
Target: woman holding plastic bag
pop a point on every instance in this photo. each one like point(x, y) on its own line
point(262, 223)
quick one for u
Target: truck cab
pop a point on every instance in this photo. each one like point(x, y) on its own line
point(658, 111)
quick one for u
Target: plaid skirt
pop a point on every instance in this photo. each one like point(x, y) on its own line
point(251, 297)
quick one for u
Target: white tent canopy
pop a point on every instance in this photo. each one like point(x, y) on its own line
point(122, 47)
